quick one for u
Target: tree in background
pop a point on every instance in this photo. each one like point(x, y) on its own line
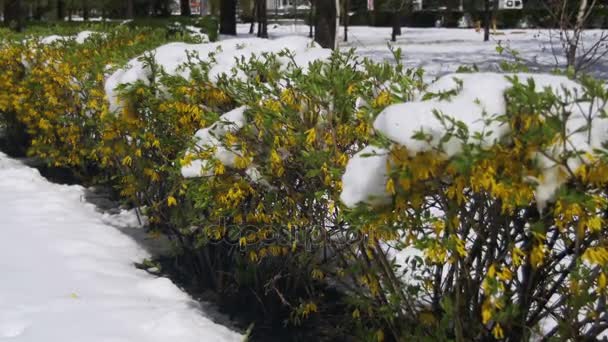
point(185, 7)
point(325, 26)
point(61, 10)
point(572, 20)
point(14, 14)
point(261, 14)
point(228, 17)
point(397, 9)
point(489, 6)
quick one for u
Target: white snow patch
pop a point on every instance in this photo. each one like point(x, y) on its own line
point(364, 180)
point(80, 38)
point(124, 219)
point(210, 137)
point(226, 53)
point(67, 276)
point(479, 98)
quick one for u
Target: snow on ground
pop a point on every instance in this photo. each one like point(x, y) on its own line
point(443, 50)
point(68, 276)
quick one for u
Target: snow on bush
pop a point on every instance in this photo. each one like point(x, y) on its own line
point(365, 177)
point(79, 38)
point(477, 102)
point(207, 138)
point(224, 56)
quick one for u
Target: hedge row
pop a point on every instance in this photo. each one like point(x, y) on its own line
point(267, 231)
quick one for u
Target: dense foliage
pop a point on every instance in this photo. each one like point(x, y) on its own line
point(266, 229)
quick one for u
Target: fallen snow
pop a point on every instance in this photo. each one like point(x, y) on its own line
point(479, 99)
point(443, 50)
point(209, 138)
point(67, 276)
point(80, 38)
point(365, 178)
point(226, 54)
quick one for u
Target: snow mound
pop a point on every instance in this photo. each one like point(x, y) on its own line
point(476, 100)
point(226, 53)
point(67, 276)
point(210, 137)
point(365, 178)
point(480, 99)
point(80, 38)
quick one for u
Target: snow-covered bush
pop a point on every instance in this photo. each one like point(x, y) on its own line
point(54, 92)
point(500, 181)
point(472, 208)
point(259, 210)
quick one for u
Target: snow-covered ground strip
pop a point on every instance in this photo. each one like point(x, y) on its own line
point(68, 276)
point(442, 50)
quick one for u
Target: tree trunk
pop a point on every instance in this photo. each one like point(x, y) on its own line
point(38, 10)
point(60, 10)
point(346, 19)
point(166, 12)
point(263, 19)
point(85, 10)
point(311, 19)
point(486, 20)
point(130, 9)
point(573, 43)
point(325, 28)
point(14, 14)
point(228, 17)
point(253, 9)
point(396, 21)
point(185, 8)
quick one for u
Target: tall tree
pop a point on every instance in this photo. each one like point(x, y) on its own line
point(571, 20)
point(85, 9)
point(14, 14)
point(346, 18)
point(39, 10)
point(228, 17)
point(325, 26)
point(262, 18)
point(185, 8)
point(61, 10)
point(130, 9)
point(487, 18)
point(250, 8)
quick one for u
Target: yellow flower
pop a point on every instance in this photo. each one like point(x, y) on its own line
point(171, 201)
point(311, 136)
point(601, 282)
point(486, 312)
point(383, 99)
point(127, 161)
point(538, 255)
point(517, 256)
point(497, 332)
point(594, 223)
point(219, 169)
point(390, 186)
point(505, 274)
point(596, 255)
